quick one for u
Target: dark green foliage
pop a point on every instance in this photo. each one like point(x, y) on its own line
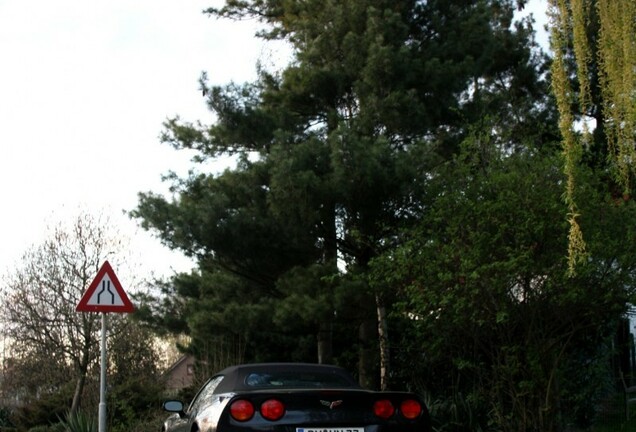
point(6, 423)
point(492, 314)
point(420, 137)
point(135, 383)
point(133, 402)
point(332, 151)
point(45, 410)
point(55, 427)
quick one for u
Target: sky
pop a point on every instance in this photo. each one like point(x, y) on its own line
point(85, 86)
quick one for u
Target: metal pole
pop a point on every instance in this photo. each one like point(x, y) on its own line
point(102, 384)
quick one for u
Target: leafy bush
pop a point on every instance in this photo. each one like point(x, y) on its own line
point(6, 424)
point(55, 427)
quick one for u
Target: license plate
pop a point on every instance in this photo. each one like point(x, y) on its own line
point(347, 429)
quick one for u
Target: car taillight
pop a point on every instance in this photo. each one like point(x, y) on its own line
point(272, 409)
point(242, 410)
point(410, 409)
point(383, 408)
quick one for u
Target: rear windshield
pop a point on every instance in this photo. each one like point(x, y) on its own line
point(291, 379)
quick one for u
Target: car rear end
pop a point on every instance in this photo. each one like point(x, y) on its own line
point(338, 410)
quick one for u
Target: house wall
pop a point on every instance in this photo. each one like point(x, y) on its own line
point(631, 317)
point(180, 375)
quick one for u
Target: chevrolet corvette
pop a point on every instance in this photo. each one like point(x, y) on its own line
point(294, 397)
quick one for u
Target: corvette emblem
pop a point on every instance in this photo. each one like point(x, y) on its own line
point(331, 405)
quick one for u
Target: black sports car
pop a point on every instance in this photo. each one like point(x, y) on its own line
point(294, 397)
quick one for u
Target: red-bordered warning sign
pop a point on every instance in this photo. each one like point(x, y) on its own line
point(105, 294)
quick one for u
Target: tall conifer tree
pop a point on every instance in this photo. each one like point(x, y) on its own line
point(334, 149)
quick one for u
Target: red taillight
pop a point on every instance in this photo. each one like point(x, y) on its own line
point(383, 408)
point(242, 410)
point(272, 409)
point(410, 409)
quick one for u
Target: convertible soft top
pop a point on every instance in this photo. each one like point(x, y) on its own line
point(269, 376)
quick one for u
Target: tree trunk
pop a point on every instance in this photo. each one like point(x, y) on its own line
point(325, 343)
point(77, 396)
point(330, 258)
point(383, 338)
point(82, 370)
point(368, 354)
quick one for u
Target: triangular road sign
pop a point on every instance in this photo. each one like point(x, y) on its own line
point(105, 294)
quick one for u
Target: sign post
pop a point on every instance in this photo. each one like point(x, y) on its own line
point(101, 413)
point(105, 294)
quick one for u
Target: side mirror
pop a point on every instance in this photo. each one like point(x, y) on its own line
point(173, 406)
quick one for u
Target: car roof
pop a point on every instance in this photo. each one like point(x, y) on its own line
point(235, 376)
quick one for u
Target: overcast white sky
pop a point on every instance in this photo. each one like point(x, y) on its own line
point(84, 88)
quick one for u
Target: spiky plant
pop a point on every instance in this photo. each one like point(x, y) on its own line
point(79, 422)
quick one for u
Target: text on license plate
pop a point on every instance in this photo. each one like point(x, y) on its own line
point(347, 429)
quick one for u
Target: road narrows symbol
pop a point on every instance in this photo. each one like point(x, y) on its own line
point(105, 287)
point(105, 294)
